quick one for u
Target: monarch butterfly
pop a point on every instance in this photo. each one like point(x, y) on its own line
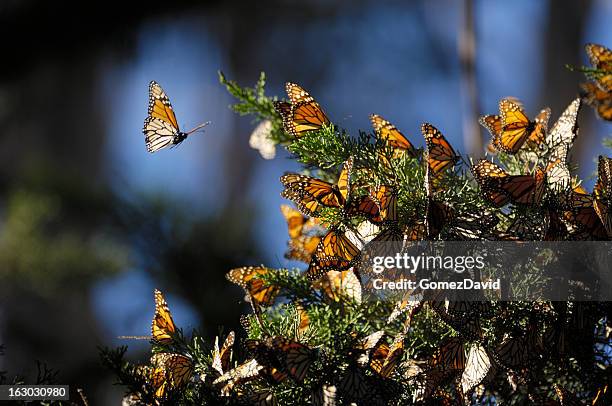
point(290, 356)
point(478, 365)
point(384, 358)
point(242, 373)
point(302, 321)
point(221, 358)
point(559, 140)
point(583, 216)
point(334, 252)
point(512, 128)
point(600, 100)
point(501, 188)
point(340, 285)
point(354, 383)
point(250, 278)
point(163, 328)
point(160, 127)
point(450, 356)
point(311, 193)
point(394, 138)
point(170, 371)
point(440, 154)
point(603, 193)
point(601, 59)
point(513, 352)
point(303, 114)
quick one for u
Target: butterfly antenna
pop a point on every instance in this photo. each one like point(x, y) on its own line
point(198, 127)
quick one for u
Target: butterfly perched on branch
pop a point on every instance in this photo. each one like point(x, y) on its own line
point(251, 279)
point(501, 188)
point(161, 128)
point(311, 194)
point(303, 114)
point(163, 328)
point(601, 59)
point(440, 154)
point(392, 136)
point(512, 128)
point(170, 372)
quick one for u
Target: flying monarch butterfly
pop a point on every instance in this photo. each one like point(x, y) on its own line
point(311, 193)
point(394, 138)
point(289, 356)
point(601, 59)
point(334, 252)
point(477, 367)
point(501, 188)
point(384, 358)
point(512, 128)
point(440, 154)
point(242, 373)
point(603, 193)
point(222, 357)
point(450, 356)
point(303, 114)
point(340, 285)
point(163, 328)
point(600, 100)
point(251, 279)
point(160, 127)
point(170, 371)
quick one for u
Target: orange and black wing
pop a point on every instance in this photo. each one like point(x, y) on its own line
point(441, 154)
point(303, 114)
point(160, 126)
point(391, 134)
point(516, 127)
point(251, 279)
point(334, 252)
point(162, 327)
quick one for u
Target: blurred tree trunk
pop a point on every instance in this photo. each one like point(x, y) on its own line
point(564, 44)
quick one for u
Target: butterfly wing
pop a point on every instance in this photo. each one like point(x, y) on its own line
point(250, 278)
point(391, 134)
point(334, 252)
point(160, 126)
point(162, 327)
point(295, 220)
point(515, 127)
point(440, 153)
point(303, 114)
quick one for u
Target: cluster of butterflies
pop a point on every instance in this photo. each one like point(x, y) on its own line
point(598, 92)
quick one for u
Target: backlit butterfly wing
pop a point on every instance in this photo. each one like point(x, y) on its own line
point(302, 248)
point(450, 356)
point(340, 285)
point(242, 373)
point(516, 127)
point(584, 217)
point(441, 154)
point(601, 58)
point(493, 124)
point(295, 220)
point(501, 188)
point(391, 135)
point(344, 180)
point(385, 358)
point(160, 128)
point(303, 114)
point(334, 252)
point(170, 371)
point(600, 100)
point(478, 365)
point(559, 140)
point(162, 327)
point(221, 357)
point(603, 193)
point(538, 134)
point(250, 278)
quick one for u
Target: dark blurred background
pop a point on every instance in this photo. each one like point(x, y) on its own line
point(91, 223)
